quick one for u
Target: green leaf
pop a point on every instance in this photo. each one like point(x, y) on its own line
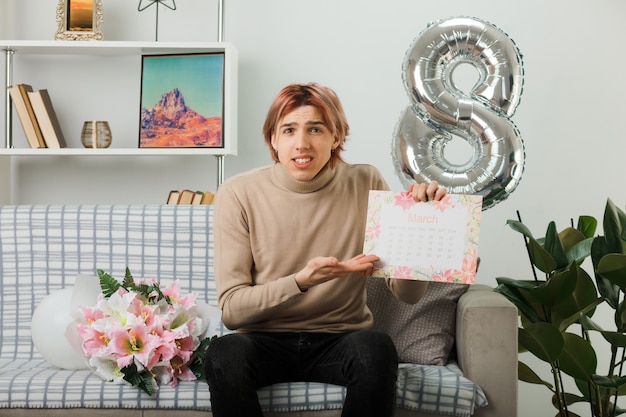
point(580, 251)
point(570, 237)
point(590, 325)
point(622, 220)
point(573, 399)
point(128, 282)
point(517, 283)
point(584, 387)
point(540, 257)
point(543, 340)
point(528, 375)
point(560, 286)
point(620, 315)
point(196, 363)
point(142, 380)
point(514, 291)
point(554, 247)
point(587, 311)
point(148, 290)
point(108, 284)
point(613, 382)
point(587, 226)
point(520, 227)
point(578, 358)
point(607, 290)
point(614, 224)
point(584, 298)
point(616, 339)
point(604, 393)
point(568, 399)
point(613, 267)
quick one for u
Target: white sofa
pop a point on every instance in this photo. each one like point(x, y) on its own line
point(44, 247)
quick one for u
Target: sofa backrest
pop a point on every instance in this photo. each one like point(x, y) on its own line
point(44, 247)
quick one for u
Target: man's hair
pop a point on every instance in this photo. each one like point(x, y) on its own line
point(323, 98)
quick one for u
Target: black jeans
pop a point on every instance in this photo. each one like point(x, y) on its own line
point(364, 361)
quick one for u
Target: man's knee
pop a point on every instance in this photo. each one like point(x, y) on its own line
point(375, 349)
point(226, 354)
point(376, 341)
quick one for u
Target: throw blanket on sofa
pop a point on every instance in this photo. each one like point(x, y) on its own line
point(44, 248)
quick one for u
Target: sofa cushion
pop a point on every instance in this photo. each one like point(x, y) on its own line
point(35, 384)
point(423, 332)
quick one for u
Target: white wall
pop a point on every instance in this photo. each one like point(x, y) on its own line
point(570, 117)
point(6, 18)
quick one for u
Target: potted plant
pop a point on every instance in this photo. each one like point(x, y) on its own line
point(557, 310)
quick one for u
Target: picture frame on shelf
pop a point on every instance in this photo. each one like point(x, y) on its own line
point(79, 20)
point(182, 100)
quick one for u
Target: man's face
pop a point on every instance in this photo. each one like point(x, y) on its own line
point(303, 142)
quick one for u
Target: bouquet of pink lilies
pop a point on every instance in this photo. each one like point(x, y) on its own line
point(142, 334)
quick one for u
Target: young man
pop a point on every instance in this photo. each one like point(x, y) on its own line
point(289, 269)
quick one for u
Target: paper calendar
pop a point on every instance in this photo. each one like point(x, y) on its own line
point(429, 241)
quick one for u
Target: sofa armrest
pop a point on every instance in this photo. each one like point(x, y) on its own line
point(486, 343)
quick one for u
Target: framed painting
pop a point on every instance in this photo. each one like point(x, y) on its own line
point(79, 20)
point(182, 101)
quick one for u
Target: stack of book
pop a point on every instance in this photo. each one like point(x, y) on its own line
point(37, 116)
point(190, 197)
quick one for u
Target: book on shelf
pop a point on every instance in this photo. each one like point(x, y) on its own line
point(190, 197)
point(197, 198)
point(47, 119)
point(19, 96)
point(186, 197)
point(172, 198)
point(207, 197)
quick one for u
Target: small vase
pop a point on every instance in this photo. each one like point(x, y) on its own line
point(96, 134)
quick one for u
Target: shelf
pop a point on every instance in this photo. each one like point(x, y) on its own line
point(110, 47)
point(112, 152)
point(73, 50)
point(16, 48)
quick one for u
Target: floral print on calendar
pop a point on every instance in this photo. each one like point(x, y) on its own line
point(432, 241)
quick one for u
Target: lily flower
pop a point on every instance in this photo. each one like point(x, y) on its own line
point(132, 344)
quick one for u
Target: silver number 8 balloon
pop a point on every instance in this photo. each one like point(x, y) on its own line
point(481, 117)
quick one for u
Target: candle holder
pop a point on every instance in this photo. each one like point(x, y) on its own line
point(96, 134)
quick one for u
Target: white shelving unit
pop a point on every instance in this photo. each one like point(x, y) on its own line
point(111, 49)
